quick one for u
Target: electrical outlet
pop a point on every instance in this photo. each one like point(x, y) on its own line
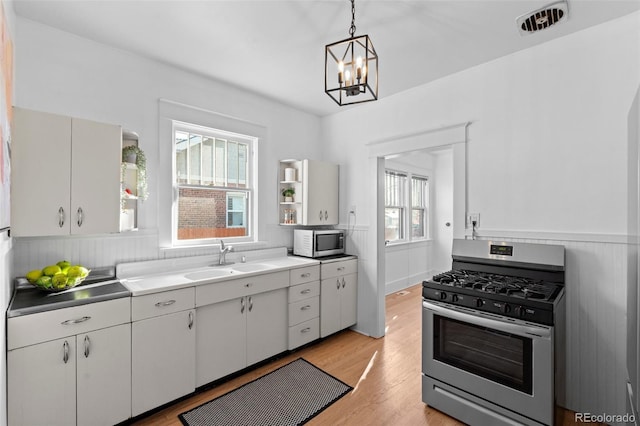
point(471, 217)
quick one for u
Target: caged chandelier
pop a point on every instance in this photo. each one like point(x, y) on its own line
point(351, 68)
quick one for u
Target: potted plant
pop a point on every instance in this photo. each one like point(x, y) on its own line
point(132, 153)
point(288, 194)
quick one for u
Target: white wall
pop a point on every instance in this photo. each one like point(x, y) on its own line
point(546, 161)
point(61, 73)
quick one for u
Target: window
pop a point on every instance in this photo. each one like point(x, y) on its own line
point(406, 206)
point(212, 180)
point(394, 205)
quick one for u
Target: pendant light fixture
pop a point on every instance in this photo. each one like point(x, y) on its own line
point(351, 68)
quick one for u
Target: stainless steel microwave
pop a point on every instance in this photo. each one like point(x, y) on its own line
point(318, 243)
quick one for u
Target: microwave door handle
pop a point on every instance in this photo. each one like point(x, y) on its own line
point(518, 329)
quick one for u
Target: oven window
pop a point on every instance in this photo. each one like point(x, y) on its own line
point(328, 241)
point(500, 357)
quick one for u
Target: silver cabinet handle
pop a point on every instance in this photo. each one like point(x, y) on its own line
point(305, 308)
point(320, 215)
point(305, 330)
point(242, 305)
point(60, 217)
point(80, 216)
point(307, 275)
point(190, 320)
point(343, 282)
point(250, 304)
point(306, 291)
point(338, 283)
point(87, 345)
point(341, 268)
point(247, 285)
point(65, 353)
point(75, 321)
point(326, 215)
point(165, 303)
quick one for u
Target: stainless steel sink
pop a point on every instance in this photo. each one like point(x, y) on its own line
point(251, 267)
point(210, 273)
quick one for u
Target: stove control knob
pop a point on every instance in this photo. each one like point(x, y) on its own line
point(521, 311)
point(478, 302)
point(454, 298)
point(506, 308)
point(443, 295)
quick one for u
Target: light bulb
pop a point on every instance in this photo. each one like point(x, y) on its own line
point(359, 61)
point(347, 77)
point(340, 66)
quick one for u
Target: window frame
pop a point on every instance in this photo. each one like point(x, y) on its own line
point(407, 207)
point(250, 189)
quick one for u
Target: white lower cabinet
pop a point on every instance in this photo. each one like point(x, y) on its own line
point(338, 296)
point(82, 379)
point(247, 326)
point(162, 348)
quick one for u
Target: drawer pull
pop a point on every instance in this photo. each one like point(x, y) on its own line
point(87, 345)
point(247, 285)
point(165, 303)
point(305, 330)
point(307, 275)
point(190, 320)
point(65, 354)
point(306, 291)
point(75, 321)
point(341, 268)
point(305, 308)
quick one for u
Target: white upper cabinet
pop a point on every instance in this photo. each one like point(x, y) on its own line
point(320, 193)
point(65, 176)
point(315, 199)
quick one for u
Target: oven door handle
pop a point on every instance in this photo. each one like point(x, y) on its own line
point(519, 329)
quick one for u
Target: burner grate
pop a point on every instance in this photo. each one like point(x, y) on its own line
point(518, 287)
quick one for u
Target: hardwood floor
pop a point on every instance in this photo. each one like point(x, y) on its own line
point(385, 375)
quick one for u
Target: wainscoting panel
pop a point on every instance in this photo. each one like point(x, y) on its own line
point(91, 251)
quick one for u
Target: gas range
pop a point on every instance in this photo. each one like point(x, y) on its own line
point(523, 297)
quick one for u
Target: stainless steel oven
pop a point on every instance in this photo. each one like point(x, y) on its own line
point(492, 334)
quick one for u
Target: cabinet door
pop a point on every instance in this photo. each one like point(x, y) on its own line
point(320, 193)
point(41, 382)
point(348, 300)
point(221, 340)
point(330, 306)
point(40, 174)
point(162, 360)
point(104, 376)
point(267, 325)
point(95, 177)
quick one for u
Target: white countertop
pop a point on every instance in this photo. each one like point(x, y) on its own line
point(150, 277)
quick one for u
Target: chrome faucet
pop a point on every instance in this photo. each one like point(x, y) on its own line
point(223, 253)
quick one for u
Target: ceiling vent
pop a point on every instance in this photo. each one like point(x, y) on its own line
point(542, 18)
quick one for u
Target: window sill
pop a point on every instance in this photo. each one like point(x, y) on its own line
point(407, 244)
point(239, 246)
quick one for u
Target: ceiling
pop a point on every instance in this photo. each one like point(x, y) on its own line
point(276, 48)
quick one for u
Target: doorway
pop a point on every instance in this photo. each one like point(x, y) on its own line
point(372, 316)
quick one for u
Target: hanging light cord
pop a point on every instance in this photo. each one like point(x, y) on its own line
point(352, 29)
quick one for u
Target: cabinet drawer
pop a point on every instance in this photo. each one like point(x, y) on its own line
point(304, 310)
point(304, 291)
point(304, 333)
point(304, 275)
point(231, 289)
point(44, 326)
point(166, 302)
point(334, 269)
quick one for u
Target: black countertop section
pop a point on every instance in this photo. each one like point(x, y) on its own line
point(99, 286)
